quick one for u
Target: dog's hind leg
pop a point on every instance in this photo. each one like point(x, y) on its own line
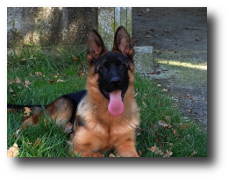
point(61, 110)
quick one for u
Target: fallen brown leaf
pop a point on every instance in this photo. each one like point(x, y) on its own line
point(59, 80)
point(159, 152)
point(158, 140)
point(111, 155)
point(11, 81)
point(13, 151)
point(168, 153)
point(27, 82)
point(38, 73)
point(51, 81)
point(143, 11)
point(194, 152)
point(27, 111)
point(151, 72)
point(175, 132)
point(190, 97)
point(18, 80)
point(80, 73)
point(10, 111)
point(76, 59)
point(153, 148)
point(11, 90)
point(189, 111)
point(140, 153)
point(165, 125)
point(166, 137)
point(185, 126)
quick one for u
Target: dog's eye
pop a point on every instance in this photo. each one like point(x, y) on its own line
point(121, 66)
point(103, 68)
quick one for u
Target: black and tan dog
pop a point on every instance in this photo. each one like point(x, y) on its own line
point(106, 115)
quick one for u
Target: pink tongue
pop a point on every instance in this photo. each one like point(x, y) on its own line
point(116, 105)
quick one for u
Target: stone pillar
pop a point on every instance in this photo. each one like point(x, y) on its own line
point(109, 19)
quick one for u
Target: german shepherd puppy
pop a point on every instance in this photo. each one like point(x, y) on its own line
point(106, 115)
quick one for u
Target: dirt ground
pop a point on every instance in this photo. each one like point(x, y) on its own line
point(179, 40)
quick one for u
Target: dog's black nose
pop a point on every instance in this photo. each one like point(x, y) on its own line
point(115, 82)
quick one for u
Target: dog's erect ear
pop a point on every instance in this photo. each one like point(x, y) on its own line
point(123, 42)
point(94, 47)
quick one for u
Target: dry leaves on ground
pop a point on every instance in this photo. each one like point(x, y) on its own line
point(186, 126)
point(156, 150)
point(175, 132)
point(153, 148)
point(27, 111)
point(140, 153)
point(159, 152)
point(168, 153)
point(18, 80)
point(27, 82)
point(51, 81)
point(11, 81)
point(10, 111)
point(164, 124)
point(59, 80)
point(13, 151)
point(38, 73)
point(194, 152)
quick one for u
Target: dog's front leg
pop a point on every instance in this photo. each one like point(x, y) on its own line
point(86, 143)
point(125, 147)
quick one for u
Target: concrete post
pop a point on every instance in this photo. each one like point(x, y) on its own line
point(109, 19)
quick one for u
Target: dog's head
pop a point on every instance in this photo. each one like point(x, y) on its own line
point(112, 67)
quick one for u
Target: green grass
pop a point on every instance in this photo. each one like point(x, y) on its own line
point(182, 139)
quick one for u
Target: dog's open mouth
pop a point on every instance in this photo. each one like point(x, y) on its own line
point(108, 94)
point(116, 105)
